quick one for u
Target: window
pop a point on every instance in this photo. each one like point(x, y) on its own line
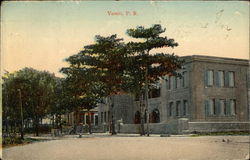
point(155, 116)
point(231, 79)
point(211, 105)
point(155, 92)
point(87, 119)
point(168, 82)
point(108, 116)
point(92, 118)
point(105, 116)
point(178, 81)
point(96, 120)
point(233, 107)
point(81, 118)
point(222, 107)
point(137, 119)
point(185, 107)
point(171, 105)
point(184, 79)
point(171, 82)
point(178, 103)
point(221, 79)
point(209, 78)
point(84, 119)
point(101, 117)
point(175, 82)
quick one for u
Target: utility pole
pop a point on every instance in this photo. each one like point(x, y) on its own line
point(21, 109)
point(6, 117)
point(112, 118)
point(146, 101)
point(146, 95)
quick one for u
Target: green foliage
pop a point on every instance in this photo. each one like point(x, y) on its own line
point(157, 65)
point(62, 102)
point(37, 95)
point(229, 133)
point(146, 68)
point(16, 140)
point(141, 32)
point(11, 140)
point(111, 66)
point(96, 71)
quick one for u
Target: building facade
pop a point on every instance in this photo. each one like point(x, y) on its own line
point(212, 91)
point(82, 117)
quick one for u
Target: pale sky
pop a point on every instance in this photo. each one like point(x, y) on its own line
point(42, 34)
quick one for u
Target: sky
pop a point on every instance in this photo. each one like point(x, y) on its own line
point(42, 34)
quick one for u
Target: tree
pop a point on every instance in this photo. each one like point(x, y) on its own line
point(147, 68)
point(36, 91)
point(83, 92)
point(62, 103)
point(97, 71)
point(116, 67)
point(80, 86)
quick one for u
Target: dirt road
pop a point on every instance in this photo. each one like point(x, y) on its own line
point(134, 148)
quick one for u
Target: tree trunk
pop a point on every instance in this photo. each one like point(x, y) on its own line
point(67, 118)
point(36, 126)
point(6, 127)
point(53, 122)
point(60, 123)
point(75, 116)
point(109, 116)
point(89, 121)
point(113, 132)
point(11, 128)
point(112, 121)
point(142, 108)
point(146, 99)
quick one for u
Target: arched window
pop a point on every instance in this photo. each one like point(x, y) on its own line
point(145, 117)
point(137, 119)
point(155, 116)
point(171, 105)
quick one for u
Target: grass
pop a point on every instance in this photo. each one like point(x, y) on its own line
point(221, 133)
point(14, 141)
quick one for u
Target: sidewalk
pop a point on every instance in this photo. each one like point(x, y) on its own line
point(107, 134)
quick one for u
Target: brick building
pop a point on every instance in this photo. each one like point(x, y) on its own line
point(212, 95)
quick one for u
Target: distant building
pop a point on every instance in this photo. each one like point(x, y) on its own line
point(81, 117)
point(212, 95)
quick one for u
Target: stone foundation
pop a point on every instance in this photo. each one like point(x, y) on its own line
point(183, 126)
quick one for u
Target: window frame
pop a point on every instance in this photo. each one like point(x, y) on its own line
point(184, 79)
point(177, 108)
point(221, 78)
point(223, 110)
point(233, 78)
point(185, 107)
point(212, 112)
point(208, 77)
point(171, 106)
point(234, 107)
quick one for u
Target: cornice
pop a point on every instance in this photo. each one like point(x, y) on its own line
point(212, 59)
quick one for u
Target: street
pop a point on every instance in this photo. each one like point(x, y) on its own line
point(134, 148)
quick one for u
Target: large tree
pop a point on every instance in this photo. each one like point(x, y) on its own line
point(114, 66)
point(83, 91)
point(146, 67)
point(97, 71)
point(31, 89)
